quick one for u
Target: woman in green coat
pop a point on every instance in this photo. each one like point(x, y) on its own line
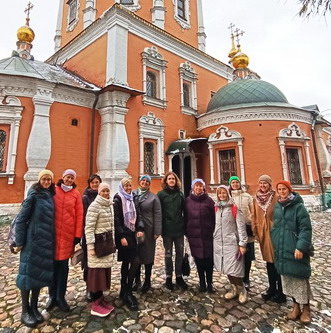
point(291, 238)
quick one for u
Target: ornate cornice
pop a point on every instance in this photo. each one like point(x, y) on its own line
point(253, 114)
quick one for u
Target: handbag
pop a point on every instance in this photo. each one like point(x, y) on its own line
point(77, 257)
point(186, 269)
point(104, 244)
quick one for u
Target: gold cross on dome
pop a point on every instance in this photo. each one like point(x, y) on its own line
point(237, 34)
point(231, 26)
point(28, 9)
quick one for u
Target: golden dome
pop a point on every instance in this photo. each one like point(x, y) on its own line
point(25, 33)
point(240, 60)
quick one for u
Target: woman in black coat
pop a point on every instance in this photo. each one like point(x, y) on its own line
point(35, 240)
point(200, 225)
point(129, 228)
point(90, 193)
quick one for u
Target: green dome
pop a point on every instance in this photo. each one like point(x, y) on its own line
point(243, 92)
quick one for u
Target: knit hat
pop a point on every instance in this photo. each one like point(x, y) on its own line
point(265, 178)
point(103, 186)
point(45, 172)
point(198, 180)
point(69, 172)
point(234, 178)
point(145, 177)
point(125, 180)
point(225, 188)
point(285, 183)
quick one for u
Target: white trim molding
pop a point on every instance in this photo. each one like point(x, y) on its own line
point(224, 135)
point(89, 13)
point(158, 13)
point(294, 133)
point(184, 23)
point(11, 114)
point(151, 127)
point(71, 25)
point(152, 59)
point(58, 36)
point(188, 74)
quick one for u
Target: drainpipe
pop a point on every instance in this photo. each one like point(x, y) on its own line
point(94, 111)
point(318, 160)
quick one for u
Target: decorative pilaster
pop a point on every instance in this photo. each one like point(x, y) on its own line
point(308, 159)
point(283, 158)
point(57, 37)
point(201, 29)
point(241, 162)
point(117, 55)
point(158, 13)
point(89, 13)
point(113, 155)
point(38, 149)
point(211, 163)
point(170, 157)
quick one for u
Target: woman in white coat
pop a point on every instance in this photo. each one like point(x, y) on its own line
point(99, 219)
point(230, 240)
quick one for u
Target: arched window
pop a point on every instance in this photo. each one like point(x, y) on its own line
point(3, 136)
point(151, 84)
point(149, 158)
point(186, 95)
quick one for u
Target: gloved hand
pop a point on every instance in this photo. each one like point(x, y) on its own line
point(76, 240)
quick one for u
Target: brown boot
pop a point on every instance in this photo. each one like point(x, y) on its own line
point(295, 313)
point(305, 317)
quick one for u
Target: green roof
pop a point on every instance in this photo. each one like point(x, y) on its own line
point(243, 92)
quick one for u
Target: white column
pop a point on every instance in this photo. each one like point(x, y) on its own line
point(117, 55)
point(164, 95)
point(161, 153)
point(113, 155)
point(181, 90)
point(170, 157)
point(283, 158)
point(89, 13)
point(141, 154)
point(310, 171)
point(57, 37)
point(241, 162)
point(158, 13)
point(38, 149)
point(195, 95)
point(211, 162)
point(201, 28)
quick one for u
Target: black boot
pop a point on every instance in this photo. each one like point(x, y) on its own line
point(27, 317)
point(272, 278)
point(202, 279)
point(181, 283)
point(62, 279)
point(51, 303)
point(168, 284)
point(280, 297)
point(34, 306)
point(209, 276)
point(130, 301)
point(147, 283)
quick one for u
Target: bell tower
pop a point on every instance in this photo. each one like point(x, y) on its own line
point(181, 18)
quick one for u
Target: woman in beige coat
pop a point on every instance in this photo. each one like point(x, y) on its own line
point(263, 208)
point(99, 219)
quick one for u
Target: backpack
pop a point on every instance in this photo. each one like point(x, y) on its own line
point(11, 239)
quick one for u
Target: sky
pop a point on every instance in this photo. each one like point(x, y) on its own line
point(286, 50)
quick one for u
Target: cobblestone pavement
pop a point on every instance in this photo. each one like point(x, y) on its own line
point(163, 311)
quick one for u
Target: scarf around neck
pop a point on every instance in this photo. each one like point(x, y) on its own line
point(66, 188)
point(129, 210)
point(264, 199)
point(289, 198)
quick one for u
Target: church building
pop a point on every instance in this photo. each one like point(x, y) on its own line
point(131, 91)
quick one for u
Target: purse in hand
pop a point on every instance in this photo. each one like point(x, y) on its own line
point(77, 257)
point(104, 244)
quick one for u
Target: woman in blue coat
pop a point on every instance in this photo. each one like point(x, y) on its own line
point(35, 240)
point(291, 237)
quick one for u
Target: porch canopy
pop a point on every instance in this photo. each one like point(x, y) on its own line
point(182, 146)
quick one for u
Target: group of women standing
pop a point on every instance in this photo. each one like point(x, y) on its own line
point(221, 234)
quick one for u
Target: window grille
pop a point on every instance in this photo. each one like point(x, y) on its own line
point(3, 136)
point(151, 85)
point(149, 158)
point(126, 2)
point(293, 162)
point(181, 9)
point(186, 95)
point(227, 165)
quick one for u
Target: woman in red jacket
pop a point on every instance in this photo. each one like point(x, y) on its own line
point(68, 231)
